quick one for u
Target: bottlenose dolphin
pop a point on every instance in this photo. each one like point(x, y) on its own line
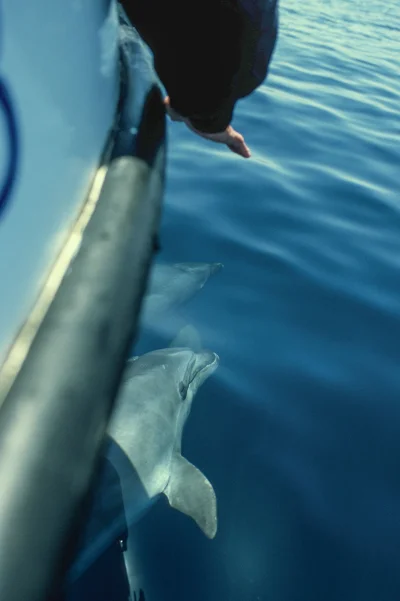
point(144, 447)
point(173, 284)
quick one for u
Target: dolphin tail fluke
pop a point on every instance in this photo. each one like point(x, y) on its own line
point(141, 596)
point(190, 492)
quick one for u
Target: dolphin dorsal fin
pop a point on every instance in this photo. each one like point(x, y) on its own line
point(187, 337)
point(190, 492)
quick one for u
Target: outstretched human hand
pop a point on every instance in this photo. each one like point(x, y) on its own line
point(233, 139)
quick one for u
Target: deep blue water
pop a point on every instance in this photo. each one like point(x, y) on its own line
point(299, 428)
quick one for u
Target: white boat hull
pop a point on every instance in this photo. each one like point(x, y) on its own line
point(59, 66)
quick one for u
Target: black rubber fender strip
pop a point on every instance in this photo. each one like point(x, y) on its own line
point(54, 418)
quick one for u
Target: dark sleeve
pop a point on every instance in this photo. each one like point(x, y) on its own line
point(205, 53)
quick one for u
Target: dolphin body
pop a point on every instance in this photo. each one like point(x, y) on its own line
point(174, 284)
point(144, 449)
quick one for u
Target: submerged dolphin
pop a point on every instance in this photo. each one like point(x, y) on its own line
point(148, 423)
point(173, 284)
point(145, 449)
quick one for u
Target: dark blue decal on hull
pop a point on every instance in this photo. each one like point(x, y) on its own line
point(11, 146)
point(10, 140)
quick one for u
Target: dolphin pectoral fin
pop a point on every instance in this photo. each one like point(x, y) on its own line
point(190, 492)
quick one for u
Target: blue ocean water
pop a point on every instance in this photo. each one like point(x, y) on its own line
point(299, 428)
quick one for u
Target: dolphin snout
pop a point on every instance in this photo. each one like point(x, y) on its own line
point(215, 267)
point(205, 364)
point(201, 269)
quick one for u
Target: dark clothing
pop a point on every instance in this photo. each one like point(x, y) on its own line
point(209, 53)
